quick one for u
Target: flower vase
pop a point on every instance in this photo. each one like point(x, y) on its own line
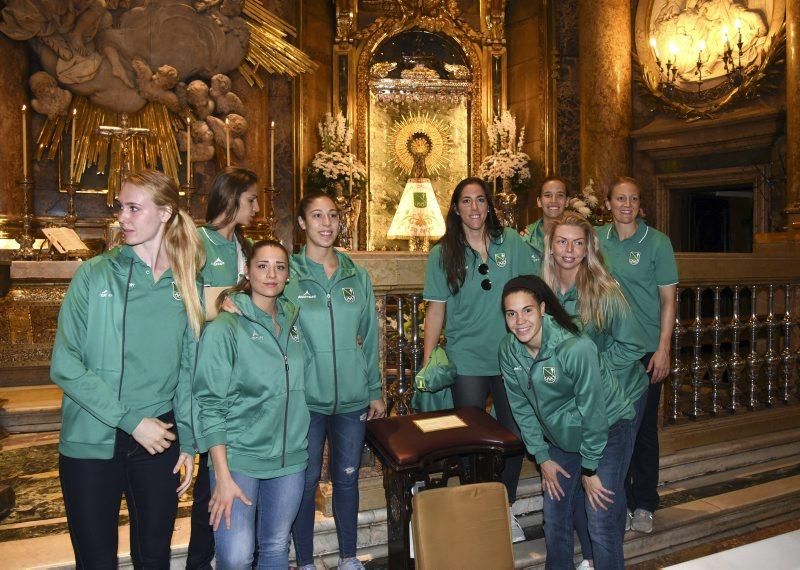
point(506, 205)
point(349, 212)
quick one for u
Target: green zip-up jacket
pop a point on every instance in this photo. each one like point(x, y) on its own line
point(249, 390)
point(341, 326)
point(621, 345)
point(535, 239)
point(103, 358)
point(559, 396)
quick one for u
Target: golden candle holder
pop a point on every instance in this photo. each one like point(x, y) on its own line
point(25, 239)
point(71, 216)
point(188, 190)
point(264, 227)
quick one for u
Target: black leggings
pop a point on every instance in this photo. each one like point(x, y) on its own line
point(474, 391)
point(93, 490)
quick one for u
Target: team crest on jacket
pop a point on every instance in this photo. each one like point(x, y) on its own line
point(293, 334)
point(255, 336)
point(549, 374)
point(634, 257)
point(500, 259)
point(175, 293)
point(348, 294)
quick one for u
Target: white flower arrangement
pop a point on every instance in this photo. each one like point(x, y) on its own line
point(506, 161)
point(586, 203)
point(334, 164)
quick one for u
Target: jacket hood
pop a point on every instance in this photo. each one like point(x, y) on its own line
point(287, 311)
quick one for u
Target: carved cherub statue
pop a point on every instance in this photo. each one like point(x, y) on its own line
point(157, 86)
point(197, 98)
point(48, 98)
point(225, 101)
point(238, 128)
point(202, 142)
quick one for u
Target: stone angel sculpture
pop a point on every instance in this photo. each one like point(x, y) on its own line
point(48, 98)
point(225, 101)
point(157, 86)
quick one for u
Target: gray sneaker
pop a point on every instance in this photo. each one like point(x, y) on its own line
point(350, 564)
point(628, 518)
point(642, 521)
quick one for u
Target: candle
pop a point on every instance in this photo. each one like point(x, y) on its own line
point(272, 154)
point(228, 140)
point(673, 49)
point(24, 142)
point(654, 46)
point(738, 24)
point(351, 175)
point(72, 148)
point(189, 150)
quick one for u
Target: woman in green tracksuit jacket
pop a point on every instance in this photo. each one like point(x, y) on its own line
point(252, 415)
point(232, 204)
point(337, 312)
point(573, 267)
point(123, 355)
point(572, 422)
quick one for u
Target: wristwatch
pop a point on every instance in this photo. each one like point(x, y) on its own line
point(586, 472)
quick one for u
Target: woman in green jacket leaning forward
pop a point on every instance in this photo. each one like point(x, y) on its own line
point(553, 380)
point(253, 418)
point(123, 355)
point(337, 311)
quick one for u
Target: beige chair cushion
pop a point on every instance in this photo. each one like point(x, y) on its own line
point(462, 527)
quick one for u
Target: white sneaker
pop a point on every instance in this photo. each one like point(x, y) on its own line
point(584, 565)
point(517, 534)
point(350, 564)
point(642, 521)
point(628, 518)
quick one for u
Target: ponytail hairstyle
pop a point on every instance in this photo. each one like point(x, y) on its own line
point(223, 200)
point(454, 241)
point(598, 292)
point(181, 243)
point(542, 294)
point(243, 286)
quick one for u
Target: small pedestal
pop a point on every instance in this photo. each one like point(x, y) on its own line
point(474, 452)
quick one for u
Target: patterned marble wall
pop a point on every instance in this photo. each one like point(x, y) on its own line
point(568, 114)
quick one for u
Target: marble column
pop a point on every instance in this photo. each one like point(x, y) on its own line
point(604, 44)
point(793, 113)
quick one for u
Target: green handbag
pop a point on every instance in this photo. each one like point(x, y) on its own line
point(433, 383)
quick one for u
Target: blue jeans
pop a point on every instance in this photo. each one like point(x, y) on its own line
point(275, 501)
point(345, 434)
point(604, 531)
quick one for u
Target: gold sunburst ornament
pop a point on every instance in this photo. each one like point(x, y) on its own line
point(421, 135)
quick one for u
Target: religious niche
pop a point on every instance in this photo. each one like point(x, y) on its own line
point(420, 86)
point(697, 57)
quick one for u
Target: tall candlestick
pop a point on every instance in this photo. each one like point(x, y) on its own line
point(72, 147)
point(24, 142)
point(228, 140)
point(272, 154)
point(351, 175)
point(189, 151)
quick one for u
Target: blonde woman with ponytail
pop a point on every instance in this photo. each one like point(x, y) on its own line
point(573, 267)
point(124, 349)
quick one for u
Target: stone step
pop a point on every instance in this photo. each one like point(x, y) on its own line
point(694, 522)
point(27, 409)
point(678, 526)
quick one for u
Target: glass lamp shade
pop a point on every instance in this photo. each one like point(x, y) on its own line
point(418, 213)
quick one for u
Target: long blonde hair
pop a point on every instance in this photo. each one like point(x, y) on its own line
point(182, 244)
point(598, 292)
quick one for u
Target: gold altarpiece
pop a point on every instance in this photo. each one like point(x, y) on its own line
point(430, 73)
